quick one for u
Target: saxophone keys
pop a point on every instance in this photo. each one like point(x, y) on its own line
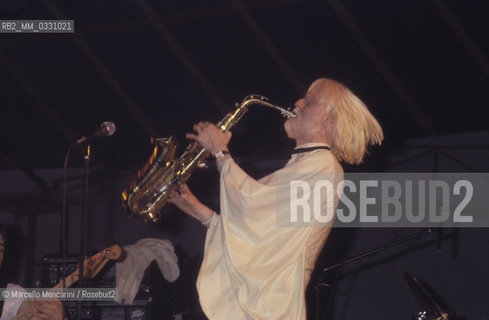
point(202, 165)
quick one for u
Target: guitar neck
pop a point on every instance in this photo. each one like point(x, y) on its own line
point(92, 266)
point(68, 281)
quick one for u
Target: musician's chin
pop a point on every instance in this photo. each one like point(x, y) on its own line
point(290, 119)
point(288, 126)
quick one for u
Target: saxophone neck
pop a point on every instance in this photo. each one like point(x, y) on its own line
point(261, 100)
point(231, 118)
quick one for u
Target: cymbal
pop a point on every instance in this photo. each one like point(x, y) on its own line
point(432, 310)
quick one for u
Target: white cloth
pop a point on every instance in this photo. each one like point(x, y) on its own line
point(256, 265)
point(130, 271)
point(11, 305)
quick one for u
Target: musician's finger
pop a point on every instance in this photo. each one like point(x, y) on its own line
point(228, 135)
point(184, 188)
point(49, 310)
point(192, 136)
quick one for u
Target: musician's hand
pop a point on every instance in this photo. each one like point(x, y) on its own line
point(42, 310)
point(210, 137)
point(49, 310)
point(186, 201)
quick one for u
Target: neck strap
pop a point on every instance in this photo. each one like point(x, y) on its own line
point(301, 150)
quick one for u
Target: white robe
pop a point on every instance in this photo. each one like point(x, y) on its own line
point(256, 265)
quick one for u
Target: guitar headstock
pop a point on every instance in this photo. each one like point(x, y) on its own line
point(91, 266)
point(113, 252)
point(95, 263)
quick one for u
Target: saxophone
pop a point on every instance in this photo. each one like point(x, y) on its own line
point(154, 184)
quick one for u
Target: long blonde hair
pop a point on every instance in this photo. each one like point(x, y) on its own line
point(354, 128)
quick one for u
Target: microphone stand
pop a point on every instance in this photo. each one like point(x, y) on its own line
point(369, 253)
point(64, 218)
point(107, 128)
point(377, 250)
point(83, 218)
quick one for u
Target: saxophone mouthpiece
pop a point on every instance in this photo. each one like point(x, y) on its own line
point(287, 113)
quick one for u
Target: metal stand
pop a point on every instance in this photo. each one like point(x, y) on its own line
point(380, 249)
point(364, 255)
point(83, 220)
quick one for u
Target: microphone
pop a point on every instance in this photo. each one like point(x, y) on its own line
point(106, 129)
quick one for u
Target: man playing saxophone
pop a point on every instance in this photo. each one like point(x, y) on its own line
point(256, 266)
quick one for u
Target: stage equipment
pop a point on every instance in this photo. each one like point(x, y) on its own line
point(154, 299)
point(92, 267)
point(106, 129)
point(431, 310)
point(161, 175)
point(102, 310)
point(53, 267)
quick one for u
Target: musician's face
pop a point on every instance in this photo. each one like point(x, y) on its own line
point(2, 248)
point(308, 125)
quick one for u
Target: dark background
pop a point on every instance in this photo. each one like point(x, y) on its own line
point(155, 68)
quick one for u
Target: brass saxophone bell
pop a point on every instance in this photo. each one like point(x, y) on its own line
point(139, 198)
